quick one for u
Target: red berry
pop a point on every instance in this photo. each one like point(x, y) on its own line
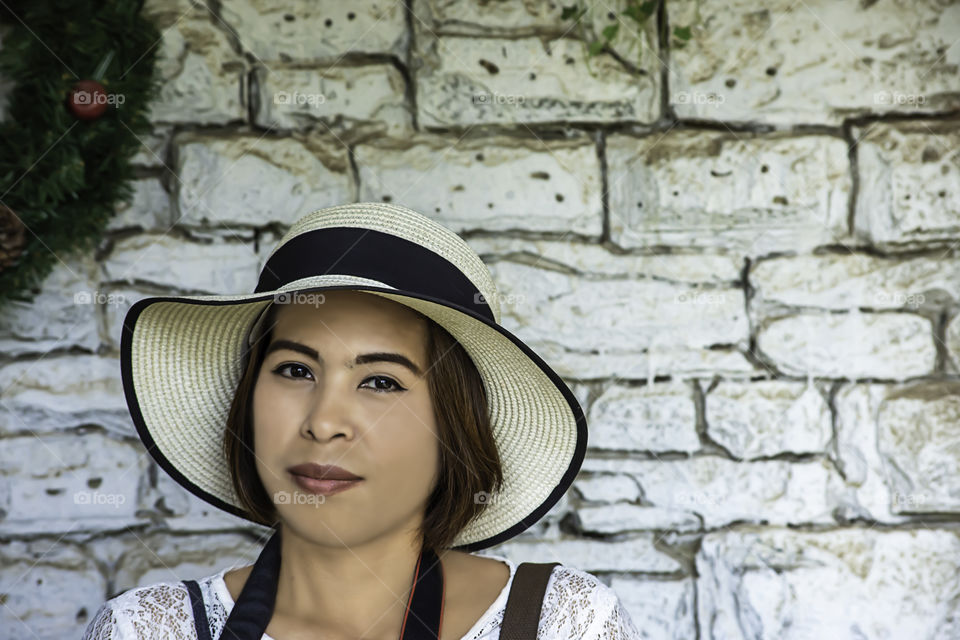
point(87, 99)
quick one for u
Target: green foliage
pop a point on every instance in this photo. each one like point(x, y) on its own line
point(62, 176)
point(639, 13)
point(681, 33)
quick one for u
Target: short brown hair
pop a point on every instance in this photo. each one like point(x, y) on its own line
point(469, 460)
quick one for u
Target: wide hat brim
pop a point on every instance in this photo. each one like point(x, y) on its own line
point(182, 357)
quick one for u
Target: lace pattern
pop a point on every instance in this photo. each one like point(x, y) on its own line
point(159, 611)
point(576, 605)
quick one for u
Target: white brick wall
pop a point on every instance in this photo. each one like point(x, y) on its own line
point(742, 254)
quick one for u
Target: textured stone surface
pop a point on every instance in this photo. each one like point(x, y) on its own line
point(636, 45)
point(661, 609)
point(720, 491)
point(856, 280)
point(471, 18)
point(919, 444)
point(909, 192)
point(622, 518)
point(852, 345)
point(854, 583)
point(494, 184)
point(222, 267)
point(50, 589)
point(153, 148)
point(258, 180)
point(467, 81)
point(66, 302)
point(868, 492)
point(203, 79)
point(55, 393)
point(661, 417)
point(818, 62)
point(953, 344)
point(607, 488)
point(634, 554)
point(160, 556)
point(756, 194)
point(340, 98)
point(701, 268)
point(313, 31)
point(62, 482)
point(149, 209)
point(590, 328)
point(767, 418)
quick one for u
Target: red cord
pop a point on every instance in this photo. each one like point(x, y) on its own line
point(406, 613)
point(443, 592)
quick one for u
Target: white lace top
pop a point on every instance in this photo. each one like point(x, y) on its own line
point(576, 605)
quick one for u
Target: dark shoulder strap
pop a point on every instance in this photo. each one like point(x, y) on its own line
point(199, 611)
point(522, 615)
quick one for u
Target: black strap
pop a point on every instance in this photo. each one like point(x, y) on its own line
point(199, 611)
point(254, 606)
point(521, 618)
point(426, 600)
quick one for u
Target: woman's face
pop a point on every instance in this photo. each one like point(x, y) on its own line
point(374, 419)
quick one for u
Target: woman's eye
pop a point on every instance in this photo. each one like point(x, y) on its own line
point(390, 380)
point(291, 365)
point(294, 366)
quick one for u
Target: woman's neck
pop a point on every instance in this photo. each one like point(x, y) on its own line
point(357, 591)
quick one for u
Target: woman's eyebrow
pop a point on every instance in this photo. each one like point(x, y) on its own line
point(363, 358)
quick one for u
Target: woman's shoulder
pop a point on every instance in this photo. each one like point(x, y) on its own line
point(568, 579)
point(566, 583)
point(578, 604)
point(158, 610)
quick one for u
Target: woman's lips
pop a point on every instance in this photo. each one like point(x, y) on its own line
point(323, 487)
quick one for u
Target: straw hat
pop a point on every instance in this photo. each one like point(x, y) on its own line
point(181, 357)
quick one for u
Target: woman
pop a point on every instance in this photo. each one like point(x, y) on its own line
point(366, 405)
